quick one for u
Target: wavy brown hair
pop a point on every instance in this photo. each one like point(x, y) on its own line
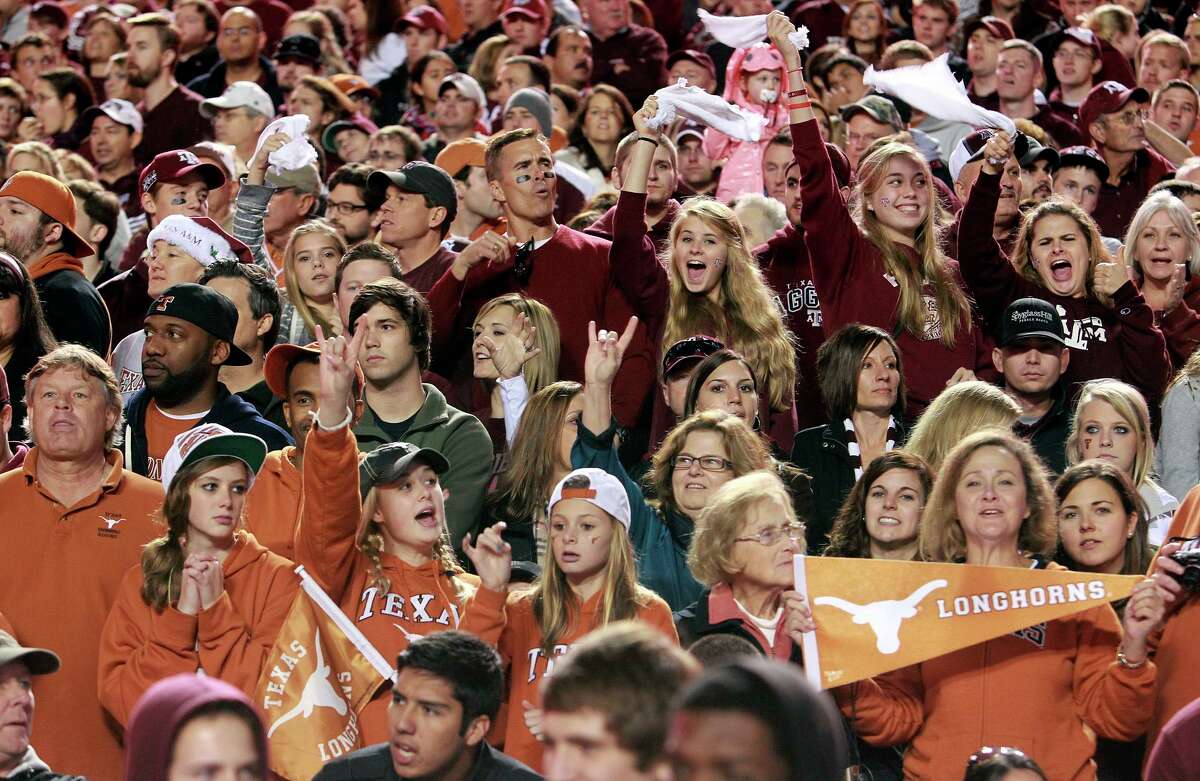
point(848, 538)
point(942, 538)
point(1138, 552)
point(1022, 259)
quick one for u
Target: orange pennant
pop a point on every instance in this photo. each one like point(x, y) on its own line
point(874, 615)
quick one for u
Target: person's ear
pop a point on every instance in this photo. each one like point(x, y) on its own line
point(6, 416)
point(497, 193)
point(68, 101)
point(287, 414)
point(1065, 360)
point(264, 324)
point(220, 352)
point(53, 233)
point(305, 203)
point(1098, 132)
point(445, 493)
point(615, 177)
point(437, 215)
point(97, 234)
point(148, 204)
point(998, 360)
point(477, 730)
point(262, 41)
point(1097, 64)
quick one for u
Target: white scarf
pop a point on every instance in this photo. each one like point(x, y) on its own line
point(742, 32)
point(932, 88)
point(712, 111)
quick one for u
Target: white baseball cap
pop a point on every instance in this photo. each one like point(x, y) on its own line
point(240, 94)
point(595, 486)
point(212, 440)
point(120, 111)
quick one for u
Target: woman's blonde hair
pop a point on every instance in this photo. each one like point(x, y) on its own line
point(1181, 218)
point(957, 411)
point(1128, 402)
point(556, 607)
point(744, 313)
point(1110, 20)
point(1022, 258)
point(542, 369)
point(710, 554)
point(486, 61)
point(162, 558)
point(523, 487)
point(371, 542)
point(291, 278)
point(912, 314)
point(941, 537)
point(45, 157)
point(747, 450)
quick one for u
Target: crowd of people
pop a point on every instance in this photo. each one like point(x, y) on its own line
point(545, 383)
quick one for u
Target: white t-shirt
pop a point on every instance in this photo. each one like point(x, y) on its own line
point(127, 364)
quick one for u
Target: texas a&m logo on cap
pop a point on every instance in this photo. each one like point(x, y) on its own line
point(163, 302)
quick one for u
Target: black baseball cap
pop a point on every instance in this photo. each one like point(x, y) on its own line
point(692, 349)
point(1085, 157)
point(1037, 152)
point(1028, 318)
point(299, 47)
point(206, 308)
point(387, 463)
point(422, 178)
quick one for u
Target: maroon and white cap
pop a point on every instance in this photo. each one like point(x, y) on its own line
point(174, 165)
point(423, 17)
point(532, 9)
point(1107, 97)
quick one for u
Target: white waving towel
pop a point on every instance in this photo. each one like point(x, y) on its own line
point(296, 153)
point(932, 88)
point(708, 110)
point(742, 32)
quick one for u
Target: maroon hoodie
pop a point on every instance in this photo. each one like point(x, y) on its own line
point(163, 711)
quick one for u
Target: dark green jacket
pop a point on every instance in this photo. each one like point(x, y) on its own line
point(458, 436)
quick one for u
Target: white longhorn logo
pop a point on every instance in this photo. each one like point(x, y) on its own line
point(885, 616)
point(318, 693)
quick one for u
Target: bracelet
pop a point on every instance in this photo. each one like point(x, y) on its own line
point(795, 93)
point(795, 70)
point(1124, 661)
point(648, 138)
point(342, 424)
point(799, 106)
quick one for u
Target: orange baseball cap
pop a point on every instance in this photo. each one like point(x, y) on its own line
point(460, 154)
point(282, 357)
point(351, 84)
point(53, 199)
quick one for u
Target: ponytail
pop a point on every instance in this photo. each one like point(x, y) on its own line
point(162, 569)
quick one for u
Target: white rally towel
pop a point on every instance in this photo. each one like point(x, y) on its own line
point(709, 110)
point(932, 88)
point(296, 153)
point(742, 32)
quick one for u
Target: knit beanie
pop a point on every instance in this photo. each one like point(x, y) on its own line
point(535, 102)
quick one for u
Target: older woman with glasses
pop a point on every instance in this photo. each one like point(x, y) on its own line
point(742, 550)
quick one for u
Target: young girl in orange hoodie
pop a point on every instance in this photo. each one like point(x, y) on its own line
point(206, 595)
point(589, 580)
point(375, 536)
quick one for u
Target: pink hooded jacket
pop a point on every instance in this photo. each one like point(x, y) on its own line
point(742, 172)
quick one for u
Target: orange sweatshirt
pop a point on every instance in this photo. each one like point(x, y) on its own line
point(230, 640)
point(521, 647)
point(1047, 690)
point(273, 505)
point(1178, 654)
point(420, 600)
point(60, 570)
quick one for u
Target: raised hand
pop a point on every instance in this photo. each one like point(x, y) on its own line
point(514, 349)
point(605, 352)
point(779, 27)
point(258, 164)
point(492, 557)
point(996, 151)
point(339, 356)
point(491, 247)
point(961, 374)
point(1108, 278)
point(1143, 613)
point(643, 115)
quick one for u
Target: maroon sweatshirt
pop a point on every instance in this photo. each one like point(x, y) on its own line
point(1121, 342)
point(854, 287)
point(571, 276)
point(638, 273)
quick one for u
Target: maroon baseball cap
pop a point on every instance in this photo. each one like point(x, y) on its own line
point(532, 9)
point(994, 25)
point(423, 17)
point(686, 352)
point(696, 56)
point(1107, 97)
point(176, 164)
point(1080, 35)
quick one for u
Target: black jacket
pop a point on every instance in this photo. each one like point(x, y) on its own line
point(74, 310)
point(374, 763)
point(1049, 434)
point(821, 452)
point(692, 624)
point(232, 412)
point(212, 84)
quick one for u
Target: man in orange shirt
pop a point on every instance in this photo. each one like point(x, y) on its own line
point(75, 520)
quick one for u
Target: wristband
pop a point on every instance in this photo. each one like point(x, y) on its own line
point(795, 70)
point(799, 106)
point(342, 424)
point(795, 93)
point(1124, 662)
point(648, 138)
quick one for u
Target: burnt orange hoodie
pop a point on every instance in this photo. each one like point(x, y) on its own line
point(273, 504)
point(1047, 690)
point(521, 647)
point(230, 640)
point(419, 601)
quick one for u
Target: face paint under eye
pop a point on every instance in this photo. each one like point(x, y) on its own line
point(1087, 444)
point(523, 178)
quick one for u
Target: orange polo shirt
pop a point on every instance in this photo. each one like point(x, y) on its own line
point(60, 569)
point(273, 504)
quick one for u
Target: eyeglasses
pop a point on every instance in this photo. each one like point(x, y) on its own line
point(707, 463)
point(345, 208)
point(1078, 54)
point(1131, 118)
point(239, 32)
point(773, 534)
point(987, 752)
